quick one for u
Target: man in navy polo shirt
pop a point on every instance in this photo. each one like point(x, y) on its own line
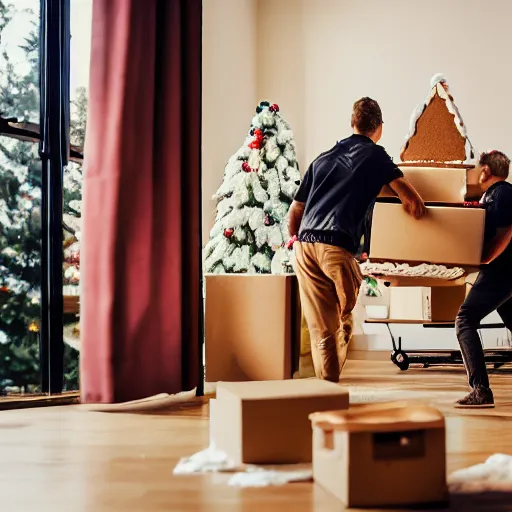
point(329, 216)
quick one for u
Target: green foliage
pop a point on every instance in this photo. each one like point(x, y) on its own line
point(20, 228)
point(372, 287)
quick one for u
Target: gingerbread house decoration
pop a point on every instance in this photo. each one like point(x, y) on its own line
point(437, 132)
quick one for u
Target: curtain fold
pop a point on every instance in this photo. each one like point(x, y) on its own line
point(140, 314)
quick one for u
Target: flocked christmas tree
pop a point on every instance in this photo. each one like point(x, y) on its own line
point(250, 233)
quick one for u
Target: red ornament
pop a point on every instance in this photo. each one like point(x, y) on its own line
point(274, 108)
point(4, 289)
point(246, 167)
point(258, 139)
point(228, 232)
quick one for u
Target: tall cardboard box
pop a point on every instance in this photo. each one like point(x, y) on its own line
point(446, 235)
point(381, 455)
point(436, 304)
point(443, 185)
point(251, 325)
point(268, 422)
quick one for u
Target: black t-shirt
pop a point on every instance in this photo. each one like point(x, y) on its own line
point(497, 202)
point(340, 188)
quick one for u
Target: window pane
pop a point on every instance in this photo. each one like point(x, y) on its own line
point(81, 22)
point(20, 266)
point(20, 199)
point(19, 60)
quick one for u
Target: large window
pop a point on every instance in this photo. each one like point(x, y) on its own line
point(29, 193)
point(20, 201)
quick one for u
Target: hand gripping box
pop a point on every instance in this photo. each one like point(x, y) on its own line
point(381, 455)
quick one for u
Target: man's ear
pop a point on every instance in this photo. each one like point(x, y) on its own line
point(485, 173)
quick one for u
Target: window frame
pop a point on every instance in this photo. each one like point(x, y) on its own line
point(52, 134)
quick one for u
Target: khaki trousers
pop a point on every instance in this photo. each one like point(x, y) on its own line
point(329, 280)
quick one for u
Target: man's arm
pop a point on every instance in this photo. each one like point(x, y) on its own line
point(389, 174)
point(411, 200)
point(497, 245)
point(498, 213)
point(298, 206)
point(295, 217)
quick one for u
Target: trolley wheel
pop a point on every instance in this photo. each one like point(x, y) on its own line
point(498, 365)
point(426, 365)
point(400, 358)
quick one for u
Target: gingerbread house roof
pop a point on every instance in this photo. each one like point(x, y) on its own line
point(437, 132)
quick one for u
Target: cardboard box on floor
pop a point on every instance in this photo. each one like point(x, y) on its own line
point(251, 325)
point(381, 455)
point(268, 422)
point(435, 185)
point(436, 304)
point(446, 235)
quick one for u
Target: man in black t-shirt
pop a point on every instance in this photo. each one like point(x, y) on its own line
point(329, 216)
point(492, 290)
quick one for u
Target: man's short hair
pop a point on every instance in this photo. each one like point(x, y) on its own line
point(497, 162)
point(366, 116)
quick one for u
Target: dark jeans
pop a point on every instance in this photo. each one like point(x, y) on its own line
point(492, 291)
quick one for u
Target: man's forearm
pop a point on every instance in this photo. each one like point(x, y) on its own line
point(497, 245)
point(295, 218)
point(411, 200)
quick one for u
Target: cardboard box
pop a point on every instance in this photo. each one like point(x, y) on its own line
point(268, 422)
point(436, 304)
point(437, 185)
point(381, 455)
point(251, 322)
point(446, 235)
point(474, 191)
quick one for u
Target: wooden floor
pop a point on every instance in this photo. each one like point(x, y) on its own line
point(66, 459)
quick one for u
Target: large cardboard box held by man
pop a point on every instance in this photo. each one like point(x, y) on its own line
point(446, 235)
point(268, 422)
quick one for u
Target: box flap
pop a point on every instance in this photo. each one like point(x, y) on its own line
point(384, 417)
point(275, 390)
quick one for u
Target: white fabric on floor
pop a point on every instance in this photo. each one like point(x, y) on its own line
point(260, 477)
point(497, 468)
point(210, 460)
point(213, 460)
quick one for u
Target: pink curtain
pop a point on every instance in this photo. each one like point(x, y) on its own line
point(140, 250)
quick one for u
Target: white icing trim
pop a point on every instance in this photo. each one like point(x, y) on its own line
point(369, 268)
point(437, 79)
point(438, 89)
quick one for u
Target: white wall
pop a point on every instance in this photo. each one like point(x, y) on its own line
point(280, 66)
point(229, 89)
